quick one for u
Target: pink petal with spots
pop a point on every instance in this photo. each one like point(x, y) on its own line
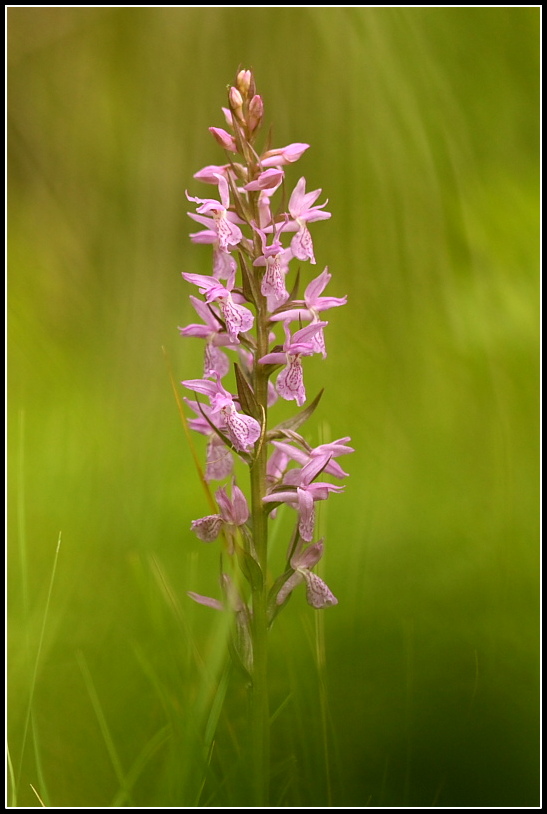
point(220, 463)
point(318, 594)
point(242, 429)
point(207, 528)
point(302, 245)
point(290, 382)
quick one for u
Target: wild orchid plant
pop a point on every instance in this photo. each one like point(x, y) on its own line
point(240, 320)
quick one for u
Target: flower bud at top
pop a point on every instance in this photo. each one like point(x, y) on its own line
point(243, 81)
point(256, 111)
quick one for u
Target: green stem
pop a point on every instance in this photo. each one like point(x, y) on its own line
point(260, 716)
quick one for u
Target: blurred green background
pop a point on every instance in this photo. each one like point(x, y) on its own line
point(423, 125)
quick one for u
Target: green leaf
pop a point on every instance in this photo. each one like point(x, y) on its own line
point(247, 399)
point(250, 569)
point(237, 660)
point(250, 282)
point(294, 291)
point(272, 607)
point(298, 419)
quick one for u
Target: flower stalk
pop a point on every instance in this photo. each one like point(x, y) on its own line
point(243, 302)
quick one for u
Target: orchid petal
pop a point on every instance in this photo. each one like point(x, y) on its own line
point(318, 594)
point(207, 528)
point(290, 382)
point(289, 586)
point(306, 523)
point(206, 600)
point(220, 462)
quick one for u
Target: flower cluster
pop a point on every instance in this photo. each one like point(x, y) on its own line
point(250, 314)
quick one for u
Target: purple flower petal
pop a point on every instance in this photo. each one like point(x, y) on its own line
point(207, 528)
point(306, 524)
point(318, 594)
point(216, 363)
point(238, 318)
point(224, 139)
point(273, 284)
point(288, 586)
point(242, 429)
point(284, 155)
point(206, 600)
point(302, 245)
point(220, 462)
point(240, 507)
point(290, 382)
point(309, 557)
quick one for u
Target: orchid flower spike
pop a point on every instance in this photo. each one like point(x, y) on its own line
point(252, 285)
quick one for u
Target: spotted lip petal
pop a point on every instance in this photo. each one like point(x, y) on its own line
point(243, 430)
point(290, 382)
point(318, 593)
point(306, 523)
point(207, 528)
point(273, 285)
point(302, 245)
point(238, 318)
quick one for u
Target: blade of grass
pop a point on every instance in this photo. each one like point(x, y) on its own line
point(212, 724)
point(28, 718)
point(280, 708)
point(13, 785)
point(38, 761)
point(323, 698)
point(144, 756)
point(205, 711)
point(124, 792)
point(171, 600)
point(38, 796)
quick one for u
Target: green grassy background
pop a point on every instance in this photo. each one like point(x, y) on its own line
point(424, 132)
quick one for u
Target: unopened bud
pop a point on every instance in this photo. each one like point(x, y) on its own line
point(228, 116)
point(243, 81)
point(270, 179)
point(224, 139)
point(236, 103)
point(210, 173)
point(236, 100)
point(256, 111)
point(283, 155)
